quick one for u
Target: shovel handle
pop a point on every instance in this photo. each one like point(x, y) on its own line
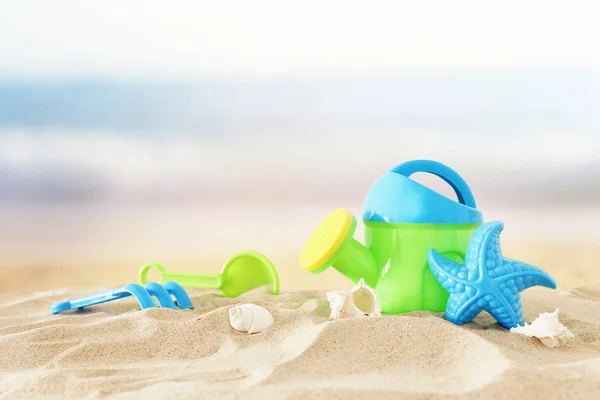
point(186, 279)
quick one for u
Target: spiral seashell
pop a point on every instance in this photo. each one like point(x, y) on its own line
point(547, 328)
point(250, 318)
point(360, 301)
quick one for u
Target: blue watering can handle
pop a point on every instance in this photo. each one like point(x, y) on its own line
point(462, 190)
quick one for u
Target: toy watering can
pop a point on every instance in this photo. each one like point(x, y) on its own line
point(403, 220)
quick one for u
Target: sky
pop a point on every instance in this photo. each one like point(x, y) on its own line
point(182, 40)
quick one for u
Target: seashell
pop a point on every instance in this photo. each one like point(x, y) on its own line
point(547, 328)
point(360, 301)
point(250, 318)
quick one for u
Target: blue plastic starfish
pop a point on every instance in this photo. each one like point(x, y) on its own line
point(487, 280)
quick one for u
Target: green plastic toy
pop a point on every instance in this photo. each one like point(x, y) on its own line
point(241, 273)
point(403, 220)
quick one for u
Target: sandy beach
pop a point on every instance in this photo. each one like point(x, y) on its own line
point(115, 350)
point(57, 251)
point(185, 134)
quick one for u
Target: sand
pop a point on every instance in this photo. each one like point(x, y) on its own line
point(115, 350)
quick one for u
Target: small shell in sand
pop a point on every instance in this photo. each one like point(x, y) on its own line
point(547, 328)
point(360, 301)
point(250, 318)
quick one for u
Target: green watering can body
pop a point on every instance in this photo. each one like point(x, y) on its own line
point(403, 220)
point(400, 252)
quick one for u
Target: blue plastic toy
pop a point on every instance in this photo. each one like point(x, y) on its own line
point(182, 300)
point(143, 295)
point(487, 280)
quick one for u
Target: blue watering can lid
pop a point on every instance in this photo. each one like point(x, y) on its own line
point(394, 197)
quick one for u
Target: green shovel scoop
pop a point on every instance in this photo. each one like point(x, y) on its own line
point(243, 272)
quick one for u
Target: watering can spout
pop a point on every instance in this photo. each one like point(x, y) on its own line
point(357, 262)
point(332, 244)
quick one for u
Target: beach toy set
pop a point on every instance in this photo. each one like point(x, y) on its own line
point(425, 251)
point(422, 251)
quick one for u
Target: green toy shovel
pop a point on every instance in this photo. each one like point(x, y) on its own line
point(243, 272)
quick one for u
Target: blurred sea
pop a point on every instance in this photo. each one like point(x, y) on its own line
point(125, 173)
point(521, 138)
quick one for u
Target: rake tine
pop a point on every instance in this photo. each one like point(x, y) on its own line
point(181, 296)
point(164, 298)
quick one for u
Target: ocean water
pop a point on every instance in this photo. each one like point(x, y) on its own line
point(517, 138)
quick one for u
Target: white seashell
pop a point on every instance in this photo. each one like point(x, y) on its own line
point(547, 328)
point(360, 301)
point(250, 318)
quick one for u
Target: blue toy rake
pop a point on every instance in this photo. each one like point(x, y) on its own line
point(143, 295)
